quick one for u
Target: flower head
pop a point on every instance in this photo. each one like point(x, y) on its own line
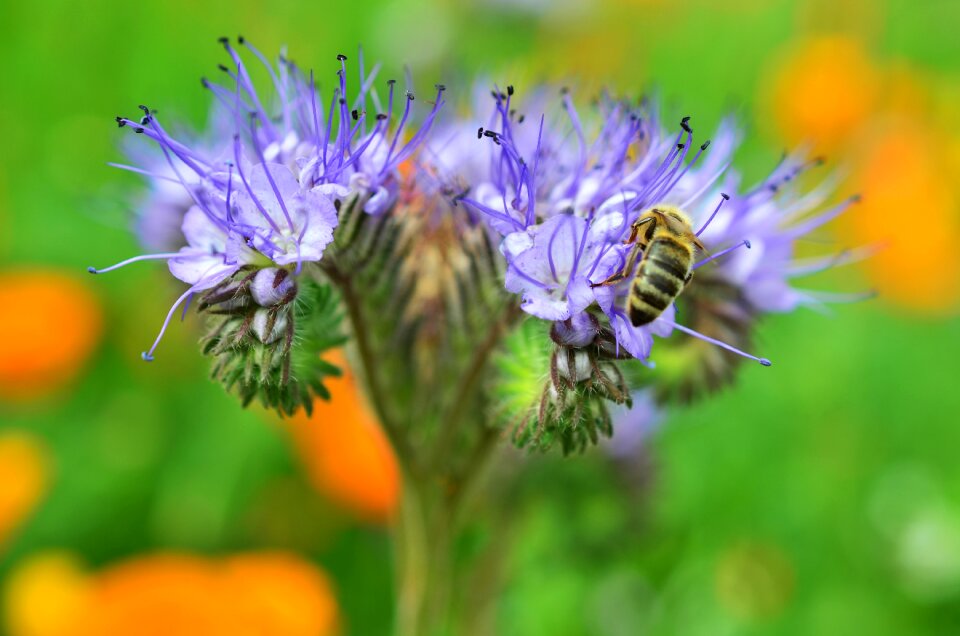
point(565, 191)
point(266, 190)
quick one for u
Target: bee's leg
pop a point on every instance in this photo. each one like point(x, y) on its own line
point(635, 229)
point(627, 269)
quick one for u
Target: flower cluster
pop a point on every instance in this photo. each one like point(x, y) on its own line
point(262, 191)
point(564, 192)
point(608, 226)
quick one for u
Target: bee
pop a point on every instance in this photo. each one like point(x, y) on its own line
point(665, 238)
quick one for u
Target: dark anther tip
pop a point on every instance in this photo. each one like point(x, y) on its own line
point(521, 118)
point(857, 198)
point(381, 116)
point(746, 244)
point(510, 89)
point(241, 39)
point(342, 101)
point(440, 87)
point(725, 196)
point(480, 132)
point(341, 57)
point(355, 114)
point(146, 357)
point(766, 362)
point(564, 90)
point(391, 82)
point(138, 130)
point(224, 40)
point(686, 127)
point(144, 108)
point(223, 67)
point(410, 96)
point(92, 270)
point(204, 82)
point(681, 146)
point(705, 145)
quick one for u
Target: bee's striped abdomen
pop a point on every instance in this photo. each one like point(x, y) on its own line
point(662, 274)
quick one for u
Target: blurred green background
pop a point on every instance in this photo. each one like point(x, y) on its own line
point(821, 496)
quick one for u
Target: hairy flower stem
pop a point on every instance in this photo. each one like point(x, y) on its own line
point(368, 365)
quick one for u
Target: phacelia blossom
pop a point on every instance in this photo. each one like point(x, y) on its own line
point(563, 192)
point(267, 194)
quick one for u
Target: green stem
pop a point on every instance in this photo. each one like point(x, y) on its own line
point(423, 537)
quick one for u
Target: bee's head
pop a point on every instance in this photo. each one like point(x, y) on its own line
point(670, 217)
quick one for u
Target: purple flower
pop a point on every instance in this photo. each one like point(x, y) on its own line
point(564, 199)
point(264, 190)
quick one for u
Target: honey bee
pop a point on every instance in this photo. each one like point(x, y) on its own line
point(665, 238)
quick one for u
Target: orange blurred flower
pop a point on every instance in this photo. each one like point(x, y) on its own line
point(24, 474)
point(262, 594)
point(910, 205)
point(345, 452)
point(51, 323)
point(822, 90)
point(827, 91)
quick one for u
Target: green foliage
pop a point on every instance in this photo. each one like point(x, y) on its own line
point(288, 371)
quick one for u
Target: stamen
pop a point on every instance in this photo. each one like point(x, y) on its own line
point(722, 345)
point(135, 259)
point(743, 243)
point(724, 197)
point(147, 356)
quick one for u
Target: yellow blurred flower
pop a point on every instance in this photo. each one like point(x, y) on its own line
point(45, 595)
point(24, 473)
point(345, 452)
point(51, 323)
point(822, 90)
point(256, 594)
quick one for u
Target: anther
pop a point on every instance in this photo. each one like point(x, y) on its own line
point(241, 39)
point(705, 145)
point(92, 270)
point(341, 57)
point(138, 130)
point(440, 87)
point(410, 96)
point(120, 122)
point(224, 40)
point(681, 146)
point(381, 116)
point(684, 123)
point(479, 130)
point(391, 82)
point(510, 89)
point(355, 114)
point(223, 67)
point(342, 101)
point(521, 118)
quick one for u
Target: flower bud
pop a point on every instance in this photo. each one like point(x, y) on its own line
point(271, 286)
